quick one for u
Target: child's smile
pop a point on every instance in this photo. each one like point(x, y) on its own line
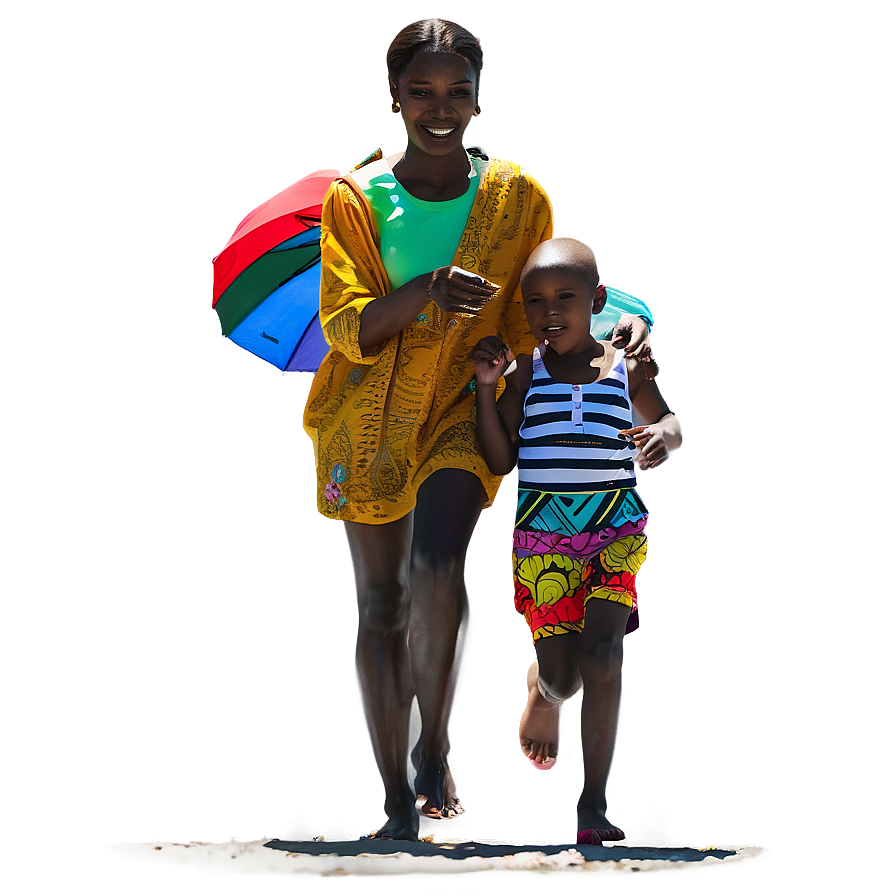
point(558, 306)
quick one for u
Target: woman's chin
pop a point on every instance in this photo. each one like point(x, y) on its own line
point(438, 146)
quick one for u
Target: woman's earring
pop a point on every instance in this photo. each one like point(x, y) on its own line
point(396, 106)
point(477, 110)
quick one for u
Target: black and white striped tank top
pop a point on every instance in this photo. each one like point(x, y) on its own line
point(569, 438)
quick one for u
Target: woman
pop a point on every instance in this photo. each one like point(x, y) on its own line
point(421, 256)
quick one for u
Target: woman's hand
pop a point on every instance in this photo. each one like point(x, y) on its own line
point(654, 441)
point(632, 334)
point(454, 290)
point(491, 358)
point(460, 292)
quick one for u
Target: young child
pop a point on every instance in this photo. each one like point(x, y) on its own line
point(565, 418)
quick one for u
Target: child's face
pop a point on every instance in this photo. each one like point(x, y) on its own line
point(559, 303)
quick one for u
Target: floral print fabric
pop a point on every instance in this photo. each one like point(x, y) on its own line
point(557, 572)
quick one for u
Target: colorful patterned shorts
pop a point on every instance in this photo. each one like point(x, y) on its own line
point(570, 548)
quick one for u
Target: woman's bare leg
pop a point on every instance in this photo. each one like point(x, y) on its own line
point(380, 555)
point(600, 665)
point(448, 506)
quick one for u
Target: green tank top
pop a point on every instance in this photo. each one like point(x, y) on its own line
point(416, 236)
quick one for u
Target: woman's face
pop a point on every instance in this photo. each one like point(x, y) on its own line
point(437, 93)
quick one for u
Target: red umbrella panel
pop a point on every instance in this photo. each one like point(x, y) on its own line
point(267, 278)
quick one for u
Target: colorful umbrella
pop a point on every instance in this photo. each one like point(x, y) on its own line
point(267, 278)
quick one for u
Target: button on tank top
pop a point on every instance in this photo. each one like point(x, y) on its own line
point(569, 438)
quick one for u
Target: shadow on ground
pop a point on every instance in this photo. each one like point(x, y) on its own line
point(473, 849)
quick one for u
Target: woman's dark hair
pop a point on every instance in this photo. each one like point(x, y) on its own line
point(433, 36)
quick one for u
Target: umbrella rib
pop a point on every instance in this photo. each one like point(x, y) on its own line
point(301, 270)
point(295, 351)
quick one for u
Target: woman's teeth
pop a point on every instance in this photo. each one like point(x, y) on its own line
point(439, 132)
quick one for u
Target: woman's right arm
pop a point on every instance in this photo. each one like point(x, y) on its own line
point(359, 311)
point(453, 289)
point(388, 315)
point(352, 273)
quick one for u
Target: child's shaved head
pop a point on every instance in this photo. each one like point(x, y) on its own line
point(566, 254)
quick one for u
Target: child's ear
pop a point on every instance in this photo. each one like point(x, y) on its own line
point(600, 299)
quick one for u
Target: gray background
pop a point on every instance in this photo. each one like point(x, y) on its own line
point(179, 622)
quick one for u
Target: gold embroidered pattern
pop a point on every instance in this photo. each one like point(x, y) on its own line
point(386, 421)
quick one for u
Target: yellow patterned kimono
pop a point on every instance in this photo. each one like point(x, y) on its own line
point(382, 423)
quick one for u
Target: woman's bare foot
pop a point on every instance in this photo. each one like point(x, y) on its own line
point(434, 784)
point(402, 824)
point(540, 724)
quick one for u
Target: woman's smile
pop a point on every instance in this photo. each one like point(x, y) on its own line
point(437, 97)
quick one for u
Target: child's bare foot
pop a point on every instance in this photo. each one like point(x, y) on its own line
point(594, 827)
point(540, 725)
point(434, 784)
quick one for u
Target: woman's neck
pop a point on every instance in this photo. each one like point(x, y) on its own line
point(434, 178)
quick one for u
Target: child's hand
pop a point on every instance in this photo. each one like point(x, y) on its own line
point(653, 443)
point(491, 357)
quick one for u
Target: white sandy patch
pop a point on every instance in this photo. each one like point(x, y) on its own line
point(253, 857)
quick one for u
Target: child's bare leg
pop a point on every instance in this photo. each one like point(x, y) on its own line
point(380, 559)
point(448, 506)
point(600, 664)
point(551, 679)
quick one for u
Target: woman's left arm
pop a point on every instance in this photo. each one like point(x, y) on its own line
point(626, 321)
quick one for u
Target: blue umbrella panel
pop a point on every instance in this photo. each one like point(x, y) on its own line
point(271, 308)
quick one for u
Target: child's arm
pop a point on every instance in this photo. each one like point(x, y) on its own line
point(498, 422)
point(656, 439)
